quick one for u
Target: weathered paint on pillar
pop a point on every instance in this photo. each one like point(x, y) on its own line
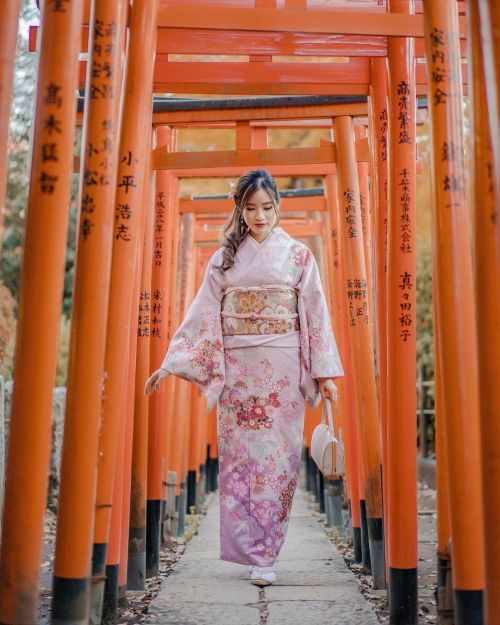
point(148, 313)
point(444, 601)
point(134, 163)
point(41, 286)
point(361, 335)
point(487, 278)
point(487, 29)
point(401, 330)
point(71, 586)
point(454, 303)
point(344, 384)
point(366, 215)
point(378, 107)
point(159, 307)
point(182, 400)
point(173, 322)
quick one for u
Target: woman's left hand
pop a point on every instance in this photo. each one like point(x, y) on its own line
point(328, 389)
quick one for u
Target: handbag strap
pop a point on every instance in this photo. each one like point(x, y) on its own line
point(327, 407)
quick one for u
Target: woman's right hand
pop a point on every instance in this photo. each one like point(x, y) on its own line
point(154, 381)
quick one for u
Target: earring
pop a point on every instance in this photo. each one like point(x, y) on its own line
point(243, 226)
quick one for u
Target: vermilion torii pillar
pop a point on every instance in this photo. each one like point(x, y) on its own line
point(127, 242)
point(401, 464)
point(487, 279)
point(171, 384)
point(487, 29)
point(378, 130)
point(454, 304)
point(71, 586)
point(136, 539)
point(345, 384)
point(360, 326)
point(37, 334)
point(158, 308)
point(444, 600)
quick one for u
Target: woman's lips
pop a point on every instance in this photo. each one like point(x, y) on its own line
point(260, 225)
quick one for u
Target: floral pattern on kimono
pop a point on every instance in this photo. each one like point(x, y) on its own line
point(260, 435)
point(317, 339)
point(196, 351)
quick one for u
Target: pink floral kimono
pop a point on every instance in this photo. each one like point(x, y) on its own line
point(255, 339)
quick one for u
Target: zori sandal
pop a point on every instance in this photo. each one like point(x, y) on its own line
point(262, 577)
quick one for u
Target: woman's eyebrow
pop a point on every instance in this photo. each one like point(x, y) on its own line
point(252, 204)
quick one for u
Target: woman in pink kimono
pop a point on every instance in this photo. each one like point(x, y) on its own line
point(257, 339)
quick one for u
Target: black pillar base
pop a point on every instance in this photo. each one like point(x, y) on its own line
point(70, 601)
point(136, 565)
point(191, 489)
point(216, 474)
point(153, 536)
point(309, 471)
point(110, 601)
point(403, 593)
point(356, 543)
point(468, 607)
point(365, 545)
point(321, 490)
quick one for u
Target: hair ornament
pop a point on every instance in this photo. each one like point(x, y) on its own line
point(232, 192)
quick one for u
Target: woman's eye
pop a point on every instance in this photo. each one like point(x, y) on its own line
point(268, 208)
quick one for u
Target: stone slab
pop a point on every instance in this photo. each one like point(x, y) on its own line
point(313, 584)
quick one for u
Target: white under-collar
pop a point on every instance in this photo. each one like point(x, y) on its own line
point(275, 230)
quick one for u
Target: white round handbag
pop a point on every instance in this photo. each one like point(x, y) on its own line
point(326, 450)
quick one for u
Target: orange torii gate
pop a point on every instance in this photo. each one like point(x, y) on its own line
point(367, 30)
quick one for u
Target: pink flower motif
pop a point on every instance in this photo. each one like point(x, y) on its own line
point(240, 488)
point(258, 411)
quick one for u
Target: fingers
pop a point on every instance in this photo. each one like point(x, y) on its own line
point(330, 392)
point(152, 384)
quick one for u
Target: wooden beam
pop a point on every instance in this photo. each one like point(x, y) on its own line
point(269, 88)
point(267, 78)
point(265, 114)
point(355, 71)
point(284, 171)
point(218, 17)
point(221, 205)
point(204, 41)
point(163, 159)
point(301, 169)
point(222, 73)
point(315, 228)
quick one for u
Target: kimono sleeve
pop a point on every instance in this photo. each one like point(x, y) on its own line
point(322, 356)
point(196, 350)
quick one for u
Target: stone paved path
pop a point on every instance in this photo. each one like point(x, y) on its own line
point(313, 586)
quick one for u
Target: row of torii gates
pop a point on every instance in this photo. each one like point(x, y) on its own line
point(136, 237)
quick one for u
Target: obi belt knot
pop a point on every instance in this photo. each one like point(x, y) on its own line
point(268, 309)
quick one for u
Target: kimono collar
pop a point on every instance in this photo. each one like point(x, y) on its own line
point(275, 230)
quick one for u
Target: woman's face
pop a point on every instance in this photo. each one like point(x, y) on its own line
point(259, 214)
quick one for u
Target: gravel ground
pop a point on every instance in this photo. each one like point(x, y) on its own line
point(427, 567)
point(135, 609)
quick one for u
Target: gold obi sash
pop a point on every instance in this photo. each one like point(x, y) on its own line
point(269, 309)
